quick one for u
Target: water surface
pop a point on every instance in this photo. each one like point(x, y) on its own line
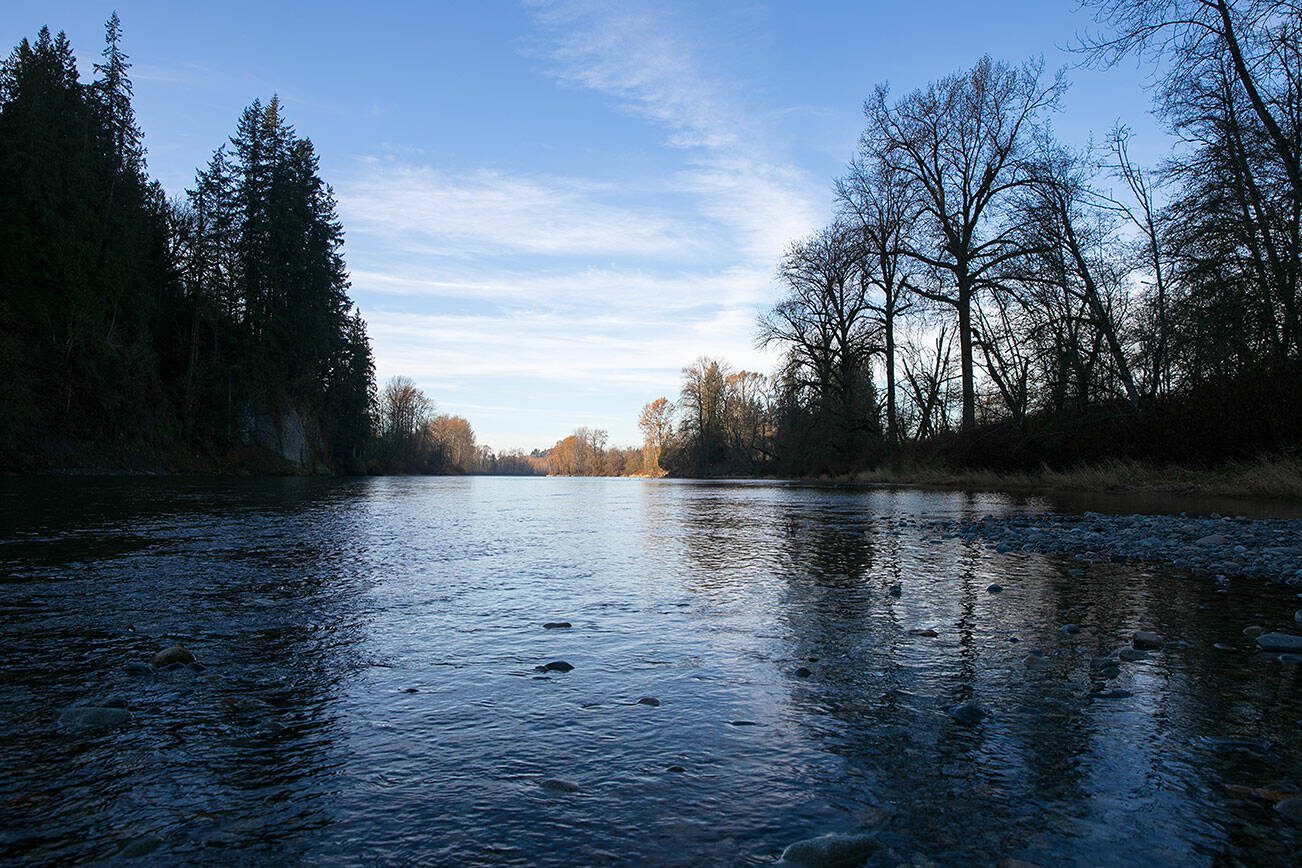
point(370, 691)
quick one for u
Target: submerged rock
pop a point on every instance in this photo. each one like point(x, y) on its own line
point(1069, 629)
point(1253, 632)
point(174, 654)
point(804, 672)
point(967, 713)
point(926, 632)
point(1130, 655)
point(93, 718)
point(830, 851)
point(136, 667)
point(1291, 809)
point(995, 589)
point(1280, 642)
point(557, 625)
point(559, 785)
point(1147, 640)
point(649, 700)
point(896, 589)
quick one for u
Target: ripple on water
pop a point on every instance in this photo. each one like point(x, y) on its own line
point(771, 622)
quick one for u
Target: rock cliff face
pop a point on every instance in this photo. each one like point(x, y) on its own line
point(285, 431)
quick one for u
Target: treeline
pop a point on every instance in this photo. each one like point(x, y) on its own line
point(209, 331)
point(987, 295)
point(412, 438)
point(586, 453)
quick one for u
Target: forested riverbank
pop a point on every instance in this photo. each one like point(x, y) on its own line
point(989, 299)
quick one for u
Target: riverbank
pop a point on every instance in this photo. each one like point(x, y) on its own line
point(1267, 478)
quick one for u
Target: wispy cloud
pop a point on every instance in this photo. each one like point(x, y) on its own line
point(595, 289)
point(423, 209)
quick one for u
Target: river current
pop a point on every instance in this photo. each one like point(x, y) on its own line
point(752, 665)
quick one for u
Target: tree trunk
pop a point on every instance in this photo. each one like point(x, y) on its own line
point(965, 358)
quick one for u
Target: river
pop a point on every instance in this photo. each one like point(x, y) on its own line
point(369, 689)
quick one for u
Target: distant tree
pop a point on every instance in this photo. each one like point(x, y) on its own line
point(656, 424)
point(456, 441)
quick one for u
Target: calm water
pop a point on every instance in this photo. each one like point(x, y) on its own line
point(317, 605)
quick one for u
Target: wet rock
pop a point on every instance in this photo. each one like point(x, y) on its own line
point(136, 667)
point(174, 654)
point(555, 666)
point(557, 625)
point(558, 785)
point(1212, 540)
point(113, 702)
point(1285, 642)
point(1297, 616)
point(86, 719)
point(995, 589)
point(649, 700)
point(675, 769)
point(1130, 655)
point(1147, 640)
point(803, 672)
point(1253, 632)
point(926, 632)
point(411, 690)
point(830, 851)
point(1290, 659)
point(967, 713)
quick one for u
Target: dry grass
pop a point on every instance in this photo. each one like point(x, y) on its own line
point(1271, 478)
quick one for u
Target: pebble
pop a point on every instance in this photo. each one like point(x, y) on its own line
point(174, 654)
point(830, 850)
point(557, 625)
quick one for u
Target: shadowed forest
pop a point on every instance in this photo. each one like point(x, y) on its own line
point(984, 295)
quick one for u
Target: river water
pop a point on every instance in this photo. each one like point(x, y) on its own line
point(369, 690)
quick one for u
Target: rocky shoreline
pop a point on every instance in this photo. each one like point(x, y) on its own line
point(1220, 547)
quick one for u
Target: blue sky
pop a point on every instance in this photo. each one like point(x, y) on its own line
point(551, 207)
